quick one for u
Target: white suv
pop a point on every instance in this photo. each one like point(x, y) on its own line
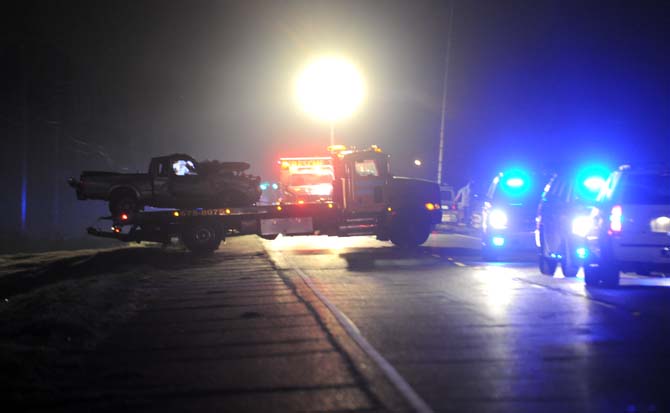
point(631, 226)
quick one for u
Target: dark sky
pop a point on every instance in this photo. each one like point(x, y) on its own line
point(529, 82)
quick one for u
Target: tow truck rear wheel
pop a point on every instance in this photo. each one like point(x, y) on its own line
point(203, 237)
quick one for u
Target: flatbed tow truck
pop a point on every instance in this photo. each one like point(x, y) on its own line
point(366, 200)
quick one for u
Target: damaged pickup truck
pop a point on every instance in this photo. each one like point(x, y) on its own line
point(173, 181)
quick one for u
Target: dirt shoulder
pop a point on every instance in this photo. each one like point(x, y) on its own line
point(57, 306)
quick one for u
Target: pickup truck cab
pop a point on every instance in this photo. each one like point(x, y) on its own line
point(173, 181)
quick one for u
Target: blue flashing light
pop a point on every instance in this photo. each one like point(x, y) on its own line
point(275, 186)
point(264, 186)
point(594, 183)
point(590, 180)
point(498, 241)
point(516, 182)
point(582, 253)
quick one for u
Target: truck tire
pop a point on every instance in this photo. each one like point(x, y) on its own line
point(409, 233)
point(547, 265)
point(203, 237)
point(602, 276)
point(569, 266)
point(123, 202)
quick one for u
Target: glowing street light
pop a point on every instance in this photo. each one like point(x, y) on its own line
point(330, 89)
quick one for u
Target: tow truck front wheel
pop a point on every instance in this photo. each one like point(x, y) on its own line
point(202, 237)
point(410, 233)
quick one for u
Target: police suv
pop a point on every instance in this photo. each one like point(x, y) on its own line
point(630, 226)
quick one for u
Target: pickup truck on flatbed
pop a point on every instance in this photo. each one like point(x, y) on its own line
point(173, 181)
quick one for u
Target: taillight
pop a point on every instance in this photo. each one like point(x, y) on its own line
point(616, 218)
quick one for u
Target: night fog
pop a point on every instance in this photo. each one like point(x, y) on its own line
point(108, 85)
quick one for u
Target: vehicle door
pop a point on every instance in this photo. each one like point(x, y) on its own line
point(643, 202)
point(161, 174)
point(188, 186)
point(552, 214)
point(369, 180)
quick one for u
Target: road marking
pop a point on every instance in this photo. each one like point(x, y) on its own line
point(391, 373)
point(460, 264)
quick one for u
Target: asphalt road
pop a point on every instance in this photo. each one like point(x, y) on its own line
point(356, 325)
point(470, 336)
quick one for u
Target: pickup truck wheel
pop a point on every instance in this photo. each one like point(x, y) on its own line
point(202, 237)
point(123, 203)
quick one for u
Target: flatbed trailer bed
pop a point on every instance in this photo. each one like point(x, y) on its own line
point(204, 229)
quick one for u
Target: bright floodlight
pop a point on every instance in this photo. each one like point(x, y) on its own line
point(330, 89)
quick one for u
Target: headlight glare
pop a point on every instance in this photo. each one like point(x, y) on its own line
point(581, 225)
point(498, 219)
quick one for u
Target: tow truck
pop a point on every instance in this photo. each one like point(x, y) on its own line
point(366, 200)
point(306, 178)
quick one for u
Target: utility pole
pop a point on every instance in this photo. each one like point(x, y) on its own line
point(440, 160)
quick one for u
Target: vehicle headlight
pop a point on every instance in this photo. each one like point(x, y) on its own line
point(582, 225)
point(498, 219)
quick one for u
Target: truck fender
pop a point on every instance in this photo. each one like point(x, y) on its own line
point(123, 187)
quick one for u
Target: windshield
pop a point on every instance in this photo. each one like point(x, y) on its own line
point(520, 192)
point(183, 167)
point(310, 179)
point(650, 189)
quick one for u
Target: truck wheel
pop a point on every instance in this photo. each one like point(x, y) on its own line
point(603, 276)
point(123, 203)
point(409, 233)
point(202, 237)
point(569, 266)
point(270, 237)
point(547, 265)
